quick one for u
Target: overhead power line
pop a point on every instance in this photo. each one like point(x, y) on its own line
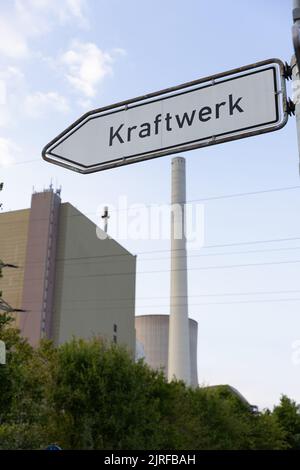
point(213, 294)
point(205, 199)
point(227, 303)
point(24, 162)
point(193, 255)
point(205, 268)
point(238, 302)
point(190, 252)
point(250, 193)
point(230, 302)
point(167, 258)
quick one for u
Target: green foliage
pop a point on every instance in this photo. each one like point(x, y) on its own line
point(98, 390)
point(288, 415)
point(91, 395)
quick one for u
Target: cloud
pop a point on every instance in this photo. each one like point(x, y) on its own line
point(51, 12)
point(32, 18)
point(17, 101)
point(4, 111)
point(119, 51)
point(12, 42)
point(3, 92)
point(12, 85)
point(8, 152)
point(77, 9)
point(39, 104)
point(86, 67)
point(85, 104)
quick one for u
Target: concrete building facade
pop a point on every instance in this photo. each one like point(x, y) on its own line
point(152, 333)
point(71, 282)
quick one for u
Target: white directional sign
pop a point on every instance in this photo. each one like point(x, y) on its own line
point(235, 104)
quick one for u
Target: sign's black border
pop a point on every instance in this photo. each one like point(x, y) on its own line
point(47, 152)
point(165, 98)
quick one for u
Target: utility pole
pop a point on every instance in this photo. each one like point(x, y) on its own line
point(2, 353)
point(2, 344)
point(6, 308)
point(296, 30)
point(1, 188)
point(7, 265)
point(295, 65)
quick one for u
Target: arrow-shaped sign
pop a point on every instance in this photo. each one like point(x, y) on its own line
point(232, 105)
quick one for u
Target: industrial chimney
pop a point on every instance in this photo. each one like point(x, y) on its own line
point(179, 348)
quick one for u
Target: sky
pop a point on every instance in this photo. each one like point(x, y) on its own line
point(61, 58)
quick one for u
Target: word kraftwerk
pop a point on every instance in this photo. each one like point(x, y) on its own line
point(171, 122)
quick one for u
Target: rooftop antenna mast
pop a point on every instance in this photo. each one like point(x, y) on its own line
point(105, 218)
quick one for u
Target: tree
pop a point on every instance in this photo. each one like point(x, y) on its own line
point(288, 415)
point(101, 399)
point(91, 395)
point(18, 352)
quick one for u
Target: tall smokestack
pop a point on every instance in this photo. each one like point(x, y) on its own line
point(179, 346)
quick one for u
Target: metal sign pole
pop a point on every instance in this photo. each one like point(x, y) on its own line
point(295, 65)
point(296, 29)
point(296, 98)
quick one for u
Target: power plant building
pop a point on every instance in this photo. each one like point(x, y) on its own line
point(152, 334)
point(69, 281)
point(72, 283)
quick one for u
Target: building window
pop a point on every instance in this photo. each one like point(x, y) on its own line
point(115, 339)
point(115, 328)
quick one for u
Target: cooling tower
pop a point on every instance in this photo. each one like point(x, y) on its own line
point(152, 334)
